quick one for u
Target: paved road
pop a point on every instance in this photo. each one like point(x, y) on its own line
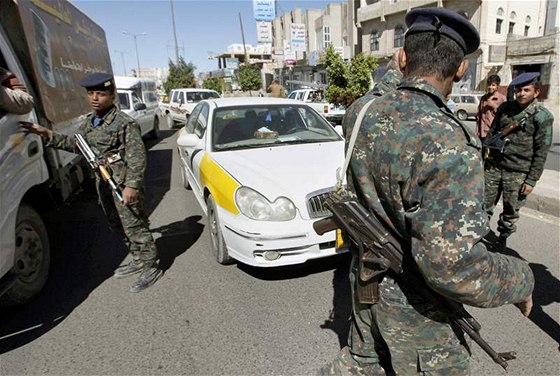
point(207, 319)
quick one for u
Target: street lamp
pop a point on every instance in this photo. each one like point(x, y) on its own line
point(123, 64)
point(135, 46)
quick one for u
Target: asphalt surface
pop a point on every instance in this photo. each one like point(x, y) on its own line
point(202, 318)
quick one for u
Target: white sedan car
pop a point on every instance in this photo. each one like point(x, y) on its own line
point(261, 169)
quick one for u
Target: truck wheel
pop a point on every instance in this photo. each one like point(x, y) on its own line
point(32, 257)
point(462, 115)
point(218, 243)
point(154, 133)
point(170, 122)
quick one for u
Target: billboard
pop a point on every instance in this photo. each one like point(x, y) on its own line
point(264, 10)
point(264, 32)
point(297, 33)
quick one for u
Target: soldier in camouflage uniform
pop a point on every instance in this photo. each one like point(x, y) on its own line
point(115, 136)
point(420, 171)
point(516, 170)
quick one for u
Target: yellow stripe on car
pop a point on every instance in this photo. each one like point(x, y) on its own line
point(222, 185)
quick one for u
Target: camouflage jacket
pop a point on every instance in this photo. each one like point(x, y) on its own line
point(528, 146)
point(419, 169)
point(118, 133)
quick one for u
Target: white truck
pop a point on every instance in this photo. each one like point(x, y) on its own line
point(138, 98)
point(49, 46)
point(182, 102)
point(314, 96)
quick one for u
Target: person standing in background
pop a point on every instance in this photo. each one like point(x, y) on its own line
point(276, 90)
point(488, 106)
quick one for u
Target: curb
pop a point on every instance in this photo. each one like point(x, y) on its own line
point(545, 197)
point(543, 204)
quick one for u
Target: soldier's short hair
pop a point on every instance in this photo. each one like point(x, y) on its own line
point(426, 55)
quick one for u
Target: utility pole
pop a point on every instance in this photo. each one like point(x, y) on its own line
point(174, 33)
point(243, 39)
point(123, 64)
point(136, 46)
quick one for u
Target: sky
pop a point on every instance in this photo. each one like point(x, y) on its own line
point(203, 27)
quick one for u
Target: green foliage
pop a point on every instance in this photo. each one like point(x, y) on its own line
point(181, 75)
point(214, 83)
point(249, 77)
point(347, 81)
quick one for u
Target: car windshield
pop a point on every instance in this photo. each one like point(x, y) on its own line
point(124, 103)
point(263, 126)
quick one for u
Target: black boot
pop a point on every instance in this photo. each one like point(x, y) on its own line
point(133, 267)
point(150, 274)
point(502, 241)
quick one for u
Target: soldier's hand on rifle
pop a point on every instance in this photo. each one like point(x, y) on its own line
point(36, 129)
point(526, 306)
point(526, 189)
point(129, 196)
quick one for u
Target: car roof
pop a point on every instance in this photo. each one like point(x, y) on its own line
point(252, 101)
point(190, 89)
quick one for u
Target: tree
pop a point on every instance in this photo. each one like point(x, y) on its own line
point(347, 81)
point(214, 83)
point(249, 77)
point(181, 75)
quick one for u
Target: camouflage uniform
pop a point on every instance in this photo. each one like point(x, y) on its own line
point(119, 133)
point(522, 162)
point(420, 171)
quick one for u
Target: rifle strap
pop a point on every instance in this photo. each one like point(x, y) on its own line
point(341, 172)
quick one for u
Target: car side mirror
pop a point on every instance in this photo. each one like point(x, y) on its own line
point(139, 106)
point(188, 140)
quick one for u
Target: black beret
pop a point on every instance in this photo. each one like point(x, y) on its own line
point(99, 81)
point(448, 22)
point(525, 79)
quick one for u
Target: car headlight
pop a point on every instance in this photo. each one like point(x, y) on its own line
point(255, 206)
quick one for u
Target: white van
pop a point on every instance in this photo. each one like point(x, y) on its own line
point(138, 98)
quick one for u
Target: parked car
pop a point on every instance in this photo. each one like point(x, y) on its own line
point(466, 105)
point(316, 99)
point(181, 104)
point(261, 169)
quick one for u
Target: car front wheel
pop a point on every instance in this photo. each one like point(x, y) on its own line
point(218, 242)
point(462, 115)
point(32, 257)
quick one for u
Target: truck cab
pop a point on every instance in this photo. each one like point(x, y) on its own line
point(314, 96)
point(182, 102)
point(138, 98)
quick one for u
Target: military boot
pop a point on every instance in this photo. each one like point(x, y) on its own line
point(502, 241)
point(150, 274)
point(133, 267)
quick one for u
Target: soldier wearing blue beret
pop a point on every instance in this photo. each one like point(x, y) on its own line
point(419, 170)
point(116, 137)
point(518, 143)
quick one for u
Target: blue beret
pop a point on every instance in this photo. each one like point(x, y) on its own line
point(525, 79)
point(99, 80)
point(448, 22)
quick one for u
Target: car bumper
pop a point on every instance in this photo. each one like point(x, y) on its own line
point(271, 244)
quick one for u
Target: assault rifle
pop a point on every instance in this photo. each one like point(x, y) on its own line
point(379, 252)
point(95, 164)
point(499, 140)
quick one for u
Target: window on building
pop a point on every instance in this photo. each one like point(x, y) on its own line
point(499, 26)
point(326, 36)
point(374, 41)
point(399, 36)
point(526, 33)
point(511, 27)
point(500, 12)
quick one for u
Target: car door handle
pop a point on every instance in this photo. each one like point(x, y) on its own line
point(33, 148)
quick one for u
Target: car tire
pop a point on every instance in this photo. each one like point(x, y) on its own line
point(170, 122)
point(154, 133)
point(218, 243)
point(32, 257)
point(462, 115)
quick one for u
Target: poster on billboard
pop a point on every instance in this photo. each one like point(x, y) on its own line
point(297, 33)
point(264, 10)
point(264, 32)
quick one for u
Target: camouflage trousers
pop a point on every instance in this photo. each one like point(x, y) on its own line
point(401, 335)
point(498, 181)
point(130, 222)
